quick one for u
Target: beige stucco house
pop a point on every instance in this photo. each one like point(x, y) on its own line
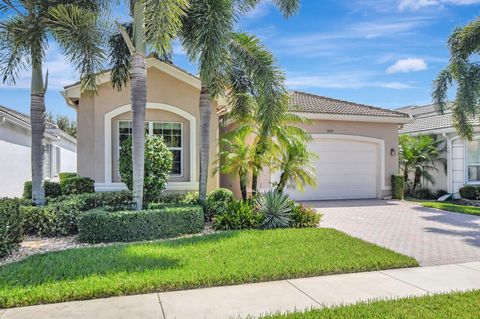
point(357, 144)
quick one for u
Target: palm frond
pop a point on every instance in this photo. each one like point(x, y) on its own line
point(163, 22)
point(119, 54)
point(79, 33)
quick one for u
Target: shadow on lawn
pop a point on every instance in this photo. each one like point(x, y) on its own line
point(81, 263)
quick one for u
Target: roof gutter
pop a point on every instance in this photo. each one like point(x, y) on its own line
point(355, 118)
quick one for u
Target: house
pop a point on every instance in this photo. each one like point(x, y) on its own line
point(357, 144)
point(15, 152)
point(463, 157)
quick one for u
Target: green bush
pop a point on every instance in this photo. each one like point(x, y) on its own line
point(398, 186)
point(179, 198)
point(66, 175)
point(60, 216)
point(158, 164)
point(276, 208)
point(239, 215)
point(10, 226)
point(52, 190)
point(101, 226)
point(78, 185)
point(422, 193)
point(470, 192)
point(217, 203)
point(304, 217)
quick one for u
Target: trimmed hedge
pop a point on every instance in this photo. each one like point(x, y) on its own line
point(470, 192)
point(66, 175)
point(60, 216)
point(99, 225)
point(52, 190)
point(78, 185)
point(398, 186)
point(10, 226)
point(217, 203)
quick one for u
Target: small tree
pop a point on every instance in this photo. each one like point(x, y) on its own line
point(158, 165)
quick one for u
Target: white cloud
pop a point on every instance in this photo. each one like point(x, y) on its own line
point(419, 4)
point(407, 65)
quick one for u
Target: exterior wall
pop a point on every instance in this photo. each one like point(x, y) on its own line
point(161, 88)
point(15, 158)
point(385, 131)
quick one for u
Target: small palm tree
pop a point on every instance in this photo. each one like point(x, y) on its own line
point(155, 22)
point(24, 39)
point(295, 165)
point(208, 38)
point(464, 71)
point(236, 158)
point(419, 156)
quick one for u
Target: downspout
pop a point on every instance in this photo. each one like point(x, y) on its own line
point(449, 162)
point(3, 120)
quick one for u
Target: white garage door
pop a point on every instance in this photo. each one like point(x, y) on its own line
point(346, 169)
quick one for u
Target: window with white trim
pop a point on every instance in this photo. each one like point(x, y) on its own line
point(52, 160)
point(473, 161)
point(172, 135)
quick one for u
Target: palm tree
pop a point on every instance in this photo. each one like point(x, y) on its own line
point(419, 156)
point(294, 162)
point(24, 39)
point(236, 158)
point(208, 38)
point(464, 71)
point(155, 22)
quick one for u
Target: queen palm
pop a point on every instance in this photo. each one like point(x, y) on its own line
point(208, 39)
point(464, 71)
point(24, 38)
point(156, 23)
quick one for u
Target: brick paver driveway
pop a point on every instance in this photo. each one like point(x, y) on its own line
point(432, 237)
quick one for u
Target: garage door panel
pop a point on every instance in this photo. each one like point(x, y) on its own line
point(345, 169)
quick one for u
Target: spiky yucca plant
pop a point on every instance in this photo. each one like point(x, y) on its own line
point(277, 209)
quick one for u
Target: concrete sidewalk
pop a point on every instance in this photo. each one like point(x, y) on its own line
point(268, 297)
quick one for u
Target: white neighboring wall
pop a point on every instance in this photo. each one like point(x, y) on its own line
point(15, 158)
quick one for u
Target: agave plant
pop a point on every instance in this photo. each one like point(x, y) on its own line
point(277, 209)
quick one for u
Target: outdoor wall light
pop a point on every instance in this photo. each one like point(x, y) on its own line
point(393, 152)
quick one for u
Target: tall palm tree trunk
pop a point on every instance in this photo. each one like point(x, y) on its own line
point(139, 103)
point(205, 114)
point(243, 184)
point(37, 116)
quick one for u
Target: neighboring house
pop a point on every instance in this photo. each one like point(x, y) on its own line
point(463, 157)
point(15, 152)
point(357, 144)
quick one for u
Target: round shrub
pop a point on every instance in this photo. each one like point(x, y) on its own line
point(52, 190)
point(276, 207)
point(239, 215)
point(304, 217)
point(217, 202)
point(470, 192)
point(10, 226)
point(78, 185)
point(66, 175)
point(158, 164)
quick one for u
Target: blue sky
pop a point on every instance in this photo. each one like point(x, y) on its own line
point(379, 52)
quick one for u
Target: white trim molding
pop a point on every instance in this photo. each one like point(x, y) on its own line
point(108, 117)
point(380, 143)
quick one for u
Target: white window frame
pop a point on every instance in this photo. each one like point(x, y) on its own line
point(467, 164)
point(150, 132)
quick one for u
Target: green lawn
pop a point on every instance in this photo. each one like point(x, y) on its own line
point(219, 259)
point(454, 305)
point(471, 210)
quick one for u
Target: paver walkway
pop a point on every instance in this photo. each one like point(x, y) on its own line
point(431, 236)
point(257, 299)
